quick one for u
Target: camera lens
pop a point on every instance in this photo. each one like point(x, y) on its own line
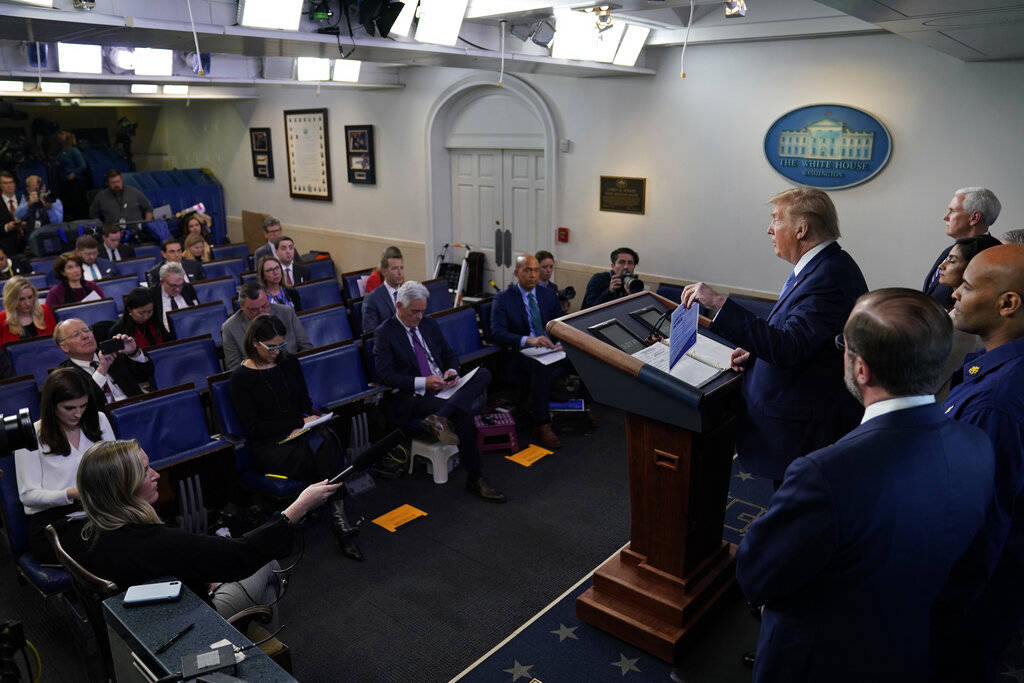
point(16, 432)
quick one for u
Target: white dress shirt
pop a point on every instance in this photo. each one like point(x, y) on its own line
point(893, 404)
point(178, 299)
point(91, 273)
point(102, 380)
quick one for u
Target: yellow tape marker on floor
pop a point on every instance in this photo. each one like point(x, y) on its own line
point(399, 516)
point(530, 455)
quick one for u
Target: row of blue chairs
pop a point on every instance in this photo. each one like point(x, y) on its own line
point(182, 188)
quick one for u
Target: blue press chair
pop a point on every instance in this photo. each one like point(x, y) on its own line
point(484, 313)
point(198, 320)
point(335, 375)
point(35, 357)
point(326, 324)
point(90, 312)
point(317, 293)
point(321, 268)
point(138, 266)
point(116, 287)
point(227, 251)
point(219, 289)
point(38, 280)
point(185, 360)
point(461, 331)
point(350, 282)
point(228, 266)
point(150, 250)
point(356, 315)
point(17, 393)
point(440, 298)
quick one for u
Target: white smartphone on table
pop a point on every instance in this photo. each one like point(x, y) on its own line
point(152, 592)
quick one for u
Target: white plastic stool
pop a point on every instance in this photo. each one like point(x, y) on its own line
point(437, 455)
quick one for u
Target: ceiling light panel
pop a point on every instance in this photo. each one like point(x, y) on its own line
point(78, 58)
point(175, 89)
point(347, 70)
point(12, 86)
point(34, 3)
point(313, 69)
point(490, 8)
point(576, 36)
point(153, 61)
point(632, 43)
point(145, 88)
point(55, 87)
point(279, 14)
point(440, 21)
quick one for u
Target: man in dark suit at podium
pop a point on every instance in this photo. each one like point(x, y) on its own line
point(412, 356)
point(518, 320)
point(794, 397)
point(859, 540)
point(970, 213)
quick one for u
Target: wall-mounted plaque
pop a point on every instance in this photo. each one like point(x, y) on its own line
point(309, 156)
point(625, 195)
point(362, 166)
point(262, 154)
point(829, 146)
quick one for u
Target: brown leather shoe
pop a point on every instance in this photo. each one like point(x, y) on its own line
point(482, 488)
point(442, 429)
point(547, 437)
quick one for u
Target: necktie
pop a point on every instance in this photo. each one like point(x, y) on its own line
point(95, 272)
point(107, 391)
point(288, 276)
point(421, 354)
point(10, 203)
point(535, 322)
point(787, 284)
point(174, 303)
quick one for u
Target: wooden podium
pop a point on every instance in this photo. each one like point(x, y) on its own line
point(680, 442)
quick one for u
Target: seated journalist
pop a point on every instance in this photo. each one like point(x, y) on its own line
point(111, 376)
point(608, 286)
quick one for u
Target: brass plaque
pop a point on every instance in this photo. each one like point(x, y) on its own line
point(624, 195)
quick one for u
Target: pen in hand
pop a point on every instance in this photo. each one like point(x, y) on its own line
point(173, 639)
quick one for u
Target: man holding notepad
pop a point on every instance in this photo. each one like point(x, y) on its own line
point(794, 395)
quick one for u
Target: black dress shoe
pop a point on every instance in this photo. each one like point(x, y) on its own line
point(339, 520)
point(350, 548)
point(481, 488)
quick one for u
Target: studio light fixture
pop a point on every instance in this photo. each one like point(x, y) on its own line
point(347, 70)
point(33, 3)
point(632, 42)
point(602, 16)
point(279, 14)
point(440, 21)
point(735, 8)
point(78, 58)
point(153, 61)
point(176, 89)
point(55, 87)
point(12, 86)
point(403, 24)
point(120, 59)
point(84, 4)
point(145, 88)
point(313, 69)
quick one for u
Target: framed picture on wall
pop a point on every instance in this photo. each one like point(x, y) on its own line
point(309, 155)
point(262, 154)
point(362, 168)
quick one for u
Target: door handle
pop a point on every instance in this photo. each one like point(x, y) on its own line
point(499, 249)
point(509, 261)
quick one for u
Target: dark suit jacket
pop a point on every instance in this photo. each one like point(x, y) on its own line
point(188, 293)
point(125, 372)
point(857, 544)
point(10, 242)
point(794, 394)
point(396, 363)
point(16, 266)
point(509, 322)
point(300, 273)
point(597, 290)
point(108, 269)
point(124, 250)
point(378, 306)
point(260, 252)
point(941, 293)
point(192, 268)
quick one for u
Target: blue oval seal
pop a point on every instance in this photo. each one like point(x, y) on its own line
point(828, 146)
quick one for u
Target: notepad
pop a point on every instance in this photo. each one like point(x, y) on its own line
point(691, 370)
point(309, 425)
point(542, 355)
point(402, 514)
point(449, 392)
point(529, 455)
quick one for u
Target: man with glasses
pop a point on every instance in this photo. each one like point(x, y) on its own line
point(173, 294)
point(111, 377)
point(859, 540)
point(272, 231)
point(794, 398)
point(253, 302)
point(172, 252)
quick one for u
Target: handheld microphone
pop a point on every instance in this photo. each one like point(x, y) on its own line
point(370, 455)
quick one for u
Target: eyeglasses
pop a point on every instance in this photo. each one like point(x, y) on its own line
point(841, 343)
point(272, 269)
point(77, 334)
point(273, 348)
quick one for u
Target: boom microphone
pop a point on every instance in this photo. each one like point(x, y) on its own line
point(492, 284)
point(370, 455)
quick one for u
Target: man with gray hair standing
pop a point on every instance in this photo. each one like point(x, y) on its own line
point(971, 212)
point(412, 356)
point(272, 231)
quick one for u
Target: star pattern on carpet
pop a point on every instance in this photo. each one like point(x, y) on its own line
point(626, 664)
point(1015, 674)
point(564, 632)
point(519, 671)
point(745, 476)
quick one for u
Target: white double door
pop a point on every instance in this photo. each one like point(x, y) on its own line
point(499, 206)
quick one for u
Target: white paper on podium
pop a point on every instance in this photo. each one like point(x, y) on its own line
point(542, 355)
point(449, 392)
point(709, 351)
point(689, 370)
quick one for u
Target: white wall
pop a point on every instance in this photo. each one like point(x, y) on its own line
point(697, 140)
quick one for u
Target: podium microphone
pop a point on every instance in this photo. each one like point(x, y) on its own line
point(370, 455)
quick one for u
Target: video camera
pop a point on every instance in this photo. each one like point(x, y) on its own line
point(16, 431)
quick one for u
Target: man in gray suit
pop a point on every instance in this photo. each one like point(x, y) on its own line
point(272, 231)
point(379, 305)
point(253, 302)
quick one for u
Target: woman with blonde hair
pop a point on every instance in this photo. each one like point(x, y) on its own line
point(127, 543)
point(197, 248)
point(23, 316)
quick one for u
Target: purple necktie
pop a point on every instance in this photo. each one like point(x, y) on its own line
point(421, 354)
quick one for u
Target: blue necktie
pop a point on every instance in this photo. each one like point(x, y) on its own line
point(535, 323)
point(787, 284)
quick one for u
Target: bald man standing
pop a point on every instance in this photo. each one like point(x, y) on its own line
point(990, 303)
